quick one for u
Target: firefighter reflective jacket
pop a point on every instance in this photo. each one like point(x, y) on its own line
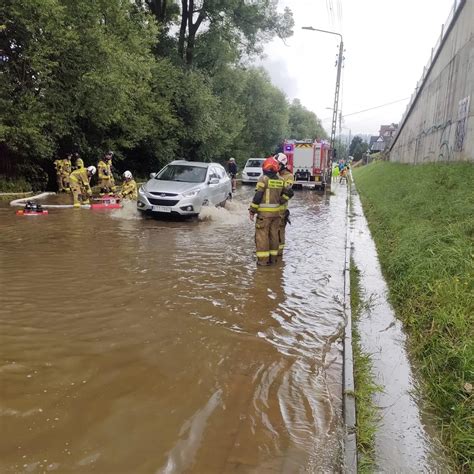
point(103, 170)
point(66, 166)
point(268, 196)
point(81, 178)
point(58, 165)
point(129, 189)
point(288, 181)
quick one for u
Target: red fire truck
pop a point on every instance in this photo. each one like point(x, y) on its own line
point(309, 162)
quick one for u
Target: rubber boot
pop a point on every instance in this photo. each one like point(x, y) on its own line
point(263, 262)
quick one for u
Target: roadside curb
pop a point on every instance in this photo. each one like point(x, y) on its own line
point(348, 400)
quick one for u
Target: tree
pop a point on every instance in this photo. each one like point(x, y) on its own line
point(246, 25)
point(303, 123)
point(358, 148)
point(77, 76)
point(266, 114)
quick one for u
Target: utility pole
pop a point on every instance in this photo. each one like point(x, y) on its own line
point(340, 59)
point(336, 97)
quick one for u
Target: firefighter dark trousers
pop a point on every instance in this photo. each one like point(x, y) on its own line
point(267, 238)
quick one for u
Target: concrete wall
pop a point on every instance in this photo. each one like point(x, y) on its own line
point(439, 124)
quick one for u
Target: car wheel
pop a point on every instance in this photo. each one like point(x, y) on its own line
point(228, 198)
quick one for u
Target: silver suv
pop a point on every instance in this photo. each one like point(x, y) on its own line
point(183, 187)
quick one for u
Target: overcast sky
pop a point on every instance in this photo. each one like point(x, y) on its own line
point(386, 43)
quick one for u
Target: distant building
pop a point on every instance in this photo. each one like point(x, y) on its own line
point(382, 141)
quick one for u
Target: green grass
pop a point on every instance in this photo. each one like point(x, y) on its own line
point(365, 388)
point(422, 220)
point(14, 186)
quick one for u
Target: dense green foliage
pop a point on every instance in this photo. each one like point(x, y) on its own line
point(422, 220)
point(144, 78)
point(358, 148)
point(304, 123)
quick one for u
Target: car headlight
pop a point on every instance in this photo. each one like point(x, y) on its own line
point(191, 194)
point(142, 189)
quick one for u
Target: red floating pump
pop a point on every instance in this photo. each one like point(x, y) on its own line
point(32, 208)
point(25, 212)
point(106, 202)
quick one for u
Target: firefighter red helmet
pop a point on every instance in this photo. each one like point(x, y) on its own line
point(270, 165)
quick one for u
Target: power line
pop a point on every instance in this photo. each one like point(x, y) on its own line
point(376, 107)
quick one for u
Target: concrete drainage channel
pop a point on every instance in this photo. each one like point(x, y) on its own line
point(349, 407)
point(405, 439)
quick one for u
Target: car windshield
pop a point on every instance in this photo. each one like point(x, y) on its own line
point(254, 164)
point(182, 174)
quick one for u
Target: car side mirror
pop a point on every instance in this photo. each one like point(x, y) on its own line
point(213, 181)
point(152, 175)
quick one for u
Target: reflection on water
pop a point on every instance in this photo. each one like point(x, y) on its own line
point(131, 344)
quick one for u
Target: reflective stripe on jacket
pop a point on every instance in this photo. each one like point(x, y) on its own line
point(66, 166)
point(267, 195)
point(129, 189)
point(80, 177)
point(103, 170)
point(288, 181)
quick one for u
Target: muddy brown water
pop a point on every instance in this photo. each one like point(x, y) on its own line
point(140, 345)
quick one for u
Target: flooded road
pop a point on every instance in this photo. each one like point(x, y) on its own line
point(137, 345)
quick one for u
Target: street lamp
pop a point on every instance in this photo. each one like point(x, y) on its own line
point(338, 82)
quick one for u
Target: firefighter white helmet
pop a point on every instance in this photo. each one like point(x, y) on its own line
point(127, 175)
point(281, 158)
point(91, 169)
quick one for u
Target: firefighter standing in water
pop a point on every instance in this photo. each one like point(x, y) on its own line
point(65, 172)
point(106, 178)
point(80, 187)
point(288, 180)
point(58, 165)
point(129, 187)
point(78, 163)
point(266, 204)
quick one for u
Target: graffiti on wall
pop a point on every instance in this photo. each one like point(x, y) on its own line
point(452, 134)
point(461, 126)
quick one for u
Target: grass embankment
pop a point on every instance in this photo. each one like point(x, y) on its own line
point(8, 186)
point(365, 388)
point(422, 220)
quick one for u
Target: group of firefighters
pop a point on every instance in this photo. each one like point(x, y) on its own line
point(269, 208)
point(77, 180)
point(341, 170)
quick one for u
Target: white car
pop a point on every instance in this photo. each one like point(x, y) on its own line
point(183, 187)
point(252, 170)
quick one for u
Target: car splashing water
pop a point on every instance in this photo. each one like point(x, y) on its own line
point(131, 344)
